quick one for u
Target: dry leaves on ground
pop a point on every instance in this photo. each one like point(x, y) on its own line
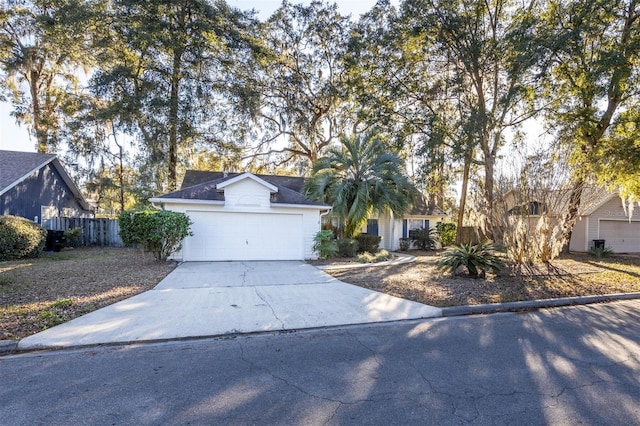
point(36, 294)
point(421, 281)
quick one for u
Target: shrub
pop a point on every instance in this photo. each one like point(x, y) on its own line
point(446, 233)
point(424, 238)
point(324, 244)
point(20, 237)
point(368, 243)
point(347, 247)
point(159, 231)
point(405, 243)
point(477, 259)
point(74, 237)
point(600, 252)
point(380, 256)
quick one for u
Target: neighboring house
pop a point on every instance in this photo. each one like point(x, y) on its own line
point(602, 216)
point(37, 187)
point(242, 216)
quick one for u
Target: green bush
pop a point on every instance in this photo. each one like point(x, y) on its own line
point(600, 252)
point(447, 233)
point(74, 237)
point(368, 243)
point(347, 247)
point(324, 244)
point(424, 239)
point(477, 259)
point(159, 231)
point(405, 244)
point(20, 237)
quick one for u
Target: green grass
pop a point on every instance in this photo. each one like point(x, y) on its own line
point(62, 303)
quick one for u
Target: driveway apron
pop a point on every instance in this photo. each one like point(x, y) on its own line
point(201, 299)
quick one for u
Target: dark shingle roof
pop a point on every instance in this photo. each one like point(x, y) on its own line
point(201, 185)
point(15, 166)
point(194, 177)
point(422, 208)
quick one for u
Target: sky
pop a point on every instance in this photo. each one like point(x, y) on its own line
point(16, 138)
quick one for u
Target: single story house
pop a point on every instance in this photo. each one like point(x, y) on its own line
point(392, 228)
point(601, 216)
point(245, 216)
point(37, 187)
point(242, 216)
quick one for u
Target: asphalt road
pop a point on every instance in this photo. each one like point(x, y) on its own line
point(566, 366)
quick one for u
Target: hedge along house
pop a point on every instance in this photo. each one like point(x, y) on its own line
point(242, 216)
point(37, 187)
point(602, 216)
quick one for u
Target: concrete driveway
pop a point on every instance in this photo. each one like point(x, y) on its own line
point(202, 299)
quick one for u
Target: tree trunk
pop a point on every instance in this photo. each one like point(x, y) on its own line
point(463, 197)
point(571, 216)
point(41, 134)
point(489, 165)
point(173, 121)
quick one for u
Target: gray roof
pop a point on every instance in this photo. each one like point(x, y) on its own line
point(202, 185)
point(422, 208)
point(16, 166)
point(194, 177)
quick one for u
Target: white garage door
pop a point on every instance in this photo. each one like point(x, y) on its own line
point(621, 235)
point(244, 236)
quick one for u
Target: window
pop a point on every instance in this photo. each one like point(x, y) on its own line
point(414, 224)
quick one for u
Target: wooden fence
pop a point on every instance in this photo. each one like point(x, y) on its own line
point(93, 232)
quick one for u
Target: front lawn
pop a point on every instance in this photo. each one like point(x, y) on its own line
point(574, 275)
point(36, 294)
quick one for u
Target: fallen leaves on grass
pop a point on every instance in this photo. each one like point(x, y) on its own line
point(36, 294)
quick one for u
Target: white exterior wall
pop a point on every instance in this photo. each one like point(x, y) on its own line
point(310, 218)
point(247, 195)
point(611, 210)
point(390, 229)
point(580, 241)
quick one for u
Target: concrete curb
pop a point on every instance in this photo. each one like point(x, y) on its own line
point(7, 346)
point(402, 258)
point(531, 305)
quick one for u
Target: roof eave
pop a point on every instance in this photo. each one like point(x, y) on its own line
point(158, 200)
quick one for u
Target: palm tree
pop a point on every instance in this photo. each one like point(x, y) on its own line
point(361, 178)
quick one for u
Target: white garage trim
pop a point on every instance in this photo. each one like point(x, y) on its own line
point(621, 235)
point(225, 235)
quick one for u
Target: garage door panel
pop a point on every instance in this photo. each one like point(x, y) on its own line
point(244, 236)
point(621, 235)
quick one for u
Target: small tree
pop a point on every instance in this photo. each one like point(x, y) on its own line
point(447, 233)
point(159, 231)
point(324, 244)
point(362, 177)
